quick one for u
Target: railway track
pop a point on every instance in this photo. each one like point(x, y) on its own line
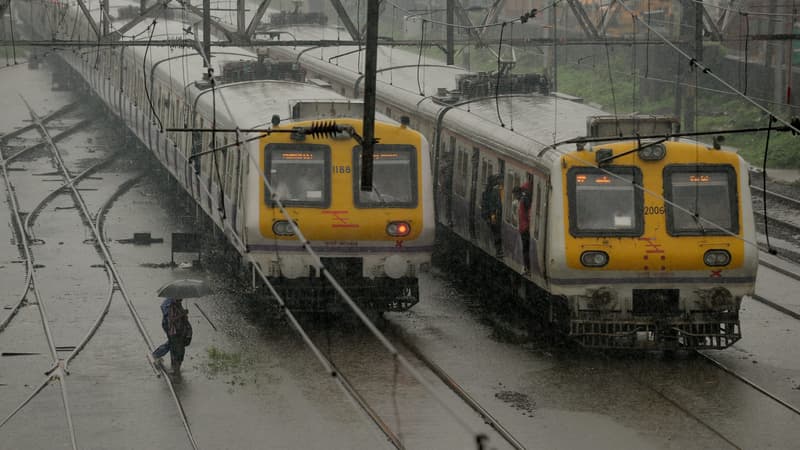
point(23, 224)
point(447, 380)
point(783, 211)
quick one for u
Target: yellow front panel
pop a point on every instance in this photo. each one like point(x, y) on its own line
point(655, 250)
point(342, 220)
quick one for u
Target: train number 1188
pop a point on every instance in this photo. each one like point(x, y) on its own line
point(341, 169)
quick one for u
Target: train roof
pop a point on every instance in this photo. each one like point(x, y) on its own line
point(248, 104)
point(542, 118)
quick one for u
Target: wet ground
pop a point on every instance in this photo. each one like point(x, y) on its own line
point(249, 381)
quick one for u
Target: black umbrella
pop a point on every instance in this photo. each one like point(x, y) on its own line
point(184, 289)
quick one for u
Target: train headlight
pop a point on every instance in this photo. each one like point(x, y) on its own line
point(282, 228)
point(653, 153)
point(717, 258)
point(594, 259)
point(395, 266)
point(398, 229)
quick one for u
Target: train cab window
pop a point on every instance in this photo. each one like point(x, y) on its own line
point(605, 202)
point(394, 178)
point(299, 174)
point(701, 200)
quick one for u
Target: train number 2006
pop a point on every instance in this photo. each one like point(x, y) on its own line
point(652, 210)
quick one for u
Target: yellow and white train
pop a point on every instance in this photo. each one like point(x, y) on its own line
point(635, 243)
point(374, 242)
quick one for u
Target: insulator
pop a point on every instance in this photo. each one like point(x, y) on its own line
point(323, 129)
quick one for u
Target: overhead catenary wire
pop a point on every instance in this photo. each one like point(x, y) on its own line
point(317, 262)
point(764, 186)
point(337, 287)
point(499, 73)
point(345, 296)
point(144, 76)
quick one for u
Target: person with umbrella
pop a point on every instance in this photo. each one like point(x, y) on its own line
point(175, 320)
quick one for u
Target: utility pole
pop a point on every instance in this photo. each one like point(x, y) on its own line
point(554, 35)
point(370, 86)
point(683, 107)
point(241, 25)
point(104, 17)
point(450, 18)
point(207, 32)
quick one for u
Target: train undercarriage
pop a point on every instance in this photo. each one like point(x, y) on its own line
point(650, 330)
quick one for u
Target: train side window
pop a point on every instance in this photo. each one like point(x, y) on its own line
point(394, 178)
point(299, 174)
point(708, 192)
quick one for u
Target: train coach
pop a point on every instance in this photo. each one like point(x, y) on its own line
point(637, 243)
point(301, 153)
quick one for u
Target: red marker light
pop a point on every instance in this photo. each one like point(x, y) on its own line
point(398, 229)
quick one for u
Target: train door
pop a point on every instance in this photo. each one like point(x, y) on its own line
point(538, 228)
point(446, 168)
point(473, 198)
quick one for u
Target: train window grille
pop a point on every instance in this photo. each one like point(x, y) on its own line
point(299, 173)
point(603, 203)
point(708, 190)
point(394, 178)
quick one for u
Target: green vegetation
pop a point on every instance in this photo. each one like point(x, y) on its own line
point(220, 361)
point(589, 79)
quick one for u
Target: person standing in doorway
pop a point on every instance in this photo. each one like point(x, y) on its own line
point(493, 210)
point(175, 322)
point(524, 197)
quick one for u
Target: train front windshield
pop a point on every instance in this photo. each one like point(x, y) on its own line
point(299, 173)
point(394, 177)
point(605, 202)
point(701, 200)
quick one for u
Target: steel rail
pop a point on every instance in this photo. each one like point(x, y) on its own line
point(347, 299)
point(778, 196)
point(31, 286)
point(57, 137)
point(106, 254)
point(750, 383)
point(456, 388)
point(775, 306)
point(638, 380)
point(27, 230)
point(350, 393)
point(780, 270)
point(34, 213)
point(112, 285)
point(51, 116)
point(794, 228)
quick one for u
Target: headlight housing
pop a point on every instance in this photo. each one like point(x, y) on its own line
point(282, 228)
point(715, 258)
point(398, 229)
point(594, 258)
point(653, 153)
